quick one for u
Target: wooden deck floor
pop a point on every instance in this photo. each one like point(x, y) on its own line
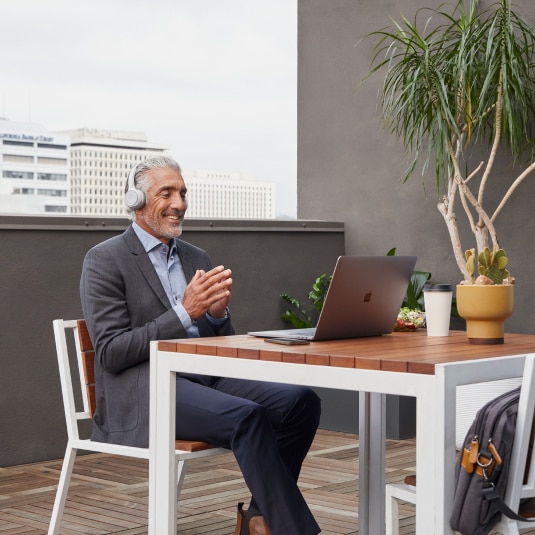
point(109, 494)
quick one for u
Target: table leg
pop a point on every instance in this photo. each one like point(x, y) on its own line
point(428, 426)
point(372, 436)
point(445, 418)
point(162, 484)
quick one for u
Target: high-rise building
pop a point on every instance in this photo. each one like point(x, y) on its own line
point(34, 169)
point(229, 196)
point(102, 159)
point(100, 162)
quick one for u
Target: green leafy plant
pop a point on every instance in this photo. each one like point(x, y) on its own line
point(460, 76)
point(414, 297)
point(300, 316)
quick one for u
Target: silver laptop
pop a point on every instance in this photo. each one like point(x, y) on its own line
point(364, 298)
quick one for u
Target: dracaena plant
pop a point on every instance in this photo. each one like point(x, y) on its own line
point(464, 77)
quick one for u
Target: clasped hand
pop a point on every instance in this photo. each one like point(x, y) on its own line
point(208, 291)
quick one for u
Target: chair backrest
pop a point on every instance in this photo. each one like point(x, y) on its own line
point(471, 397)
point(521, 482)
point(85, 358)
point(87, 355)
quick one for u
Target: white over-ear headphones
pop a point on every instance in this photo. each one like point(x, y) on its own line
point(134, 197)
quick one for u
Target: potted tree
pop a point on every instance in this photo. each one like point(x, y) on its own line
point(461, 77)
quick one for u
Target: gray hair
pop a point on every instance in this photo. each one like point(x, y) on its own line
point(142, 181)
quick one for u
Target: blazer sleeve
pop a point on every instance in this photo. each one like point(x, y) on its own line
point(125, 307)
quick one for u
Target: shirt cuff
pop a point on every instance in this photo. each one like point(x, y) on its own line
point(183, 316)
point(218, 321)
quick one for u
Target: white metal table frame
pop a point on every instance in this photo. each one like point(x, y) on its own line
point(435, 426)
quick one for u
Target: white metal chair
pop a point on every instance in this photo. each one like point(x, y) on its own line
point(470, 398)
point(521, 482)
point(185, 450)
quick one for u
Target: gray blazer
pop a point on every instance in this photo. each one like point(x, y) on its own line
point(125, 307)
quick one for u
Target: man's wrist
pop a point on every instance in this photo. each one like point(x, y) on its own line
point(183, 316)
point(220, 318)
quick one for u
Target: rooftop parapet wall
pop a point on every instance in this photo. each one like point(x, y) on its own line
point(40, 269)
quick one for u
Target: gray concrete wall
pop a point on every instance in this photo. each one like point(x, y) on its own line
point(40, 266)
point(350, 169)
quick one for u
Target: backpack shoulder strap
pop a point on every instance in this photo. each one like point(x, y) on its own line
point(492, 495)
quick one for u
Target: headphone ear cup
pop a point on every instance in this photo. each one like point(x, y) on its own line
point(134, 198)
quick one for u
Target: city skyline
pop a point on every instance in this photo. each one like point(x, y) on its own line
point(83, 171)
point(217, 81)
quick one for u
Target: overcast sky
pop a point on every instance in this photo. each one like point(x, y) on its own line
point(214, 79)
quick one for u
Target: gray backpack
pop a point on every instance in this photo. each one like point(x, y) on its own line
point(482, 468)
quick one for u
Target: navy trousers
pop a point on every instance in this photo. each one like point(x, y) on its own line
point(269, 427)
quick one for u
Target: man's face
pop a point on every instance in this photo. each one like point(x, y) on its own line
point(166, 204)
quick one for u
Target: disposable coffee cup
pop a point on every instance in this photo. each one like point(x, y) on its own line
point(437, 301)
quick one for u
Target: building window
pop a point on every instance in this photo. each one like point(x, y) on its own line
point(52, 192)
point(18, 174)
point(51, 176)
point(51, 146)
point(12, 158)
point(60, 209)
point(18, 143)
point(51, 161)
point(23, 191)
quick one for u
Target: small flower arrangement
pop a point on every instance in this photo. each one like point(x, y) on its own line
point(409, 320)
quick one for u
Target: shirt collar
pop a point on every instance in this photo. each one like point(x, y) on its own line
point(149, 241)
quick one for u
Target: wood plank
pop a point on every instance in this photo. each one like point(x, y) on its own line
point(108, 494)
point(413, 352)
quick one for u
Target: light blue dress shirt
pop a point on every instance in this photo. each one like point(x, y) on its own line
point(167, 264)
point(171, 274)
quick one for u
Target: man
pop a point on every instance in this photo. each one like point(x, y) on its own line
point(145, 285)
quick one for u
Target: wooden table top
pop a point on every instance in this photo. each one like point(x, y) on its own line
point(412, 352)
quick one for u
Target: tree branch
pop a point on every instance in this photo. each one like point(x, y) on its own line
point(512, 189)
point(486, 221)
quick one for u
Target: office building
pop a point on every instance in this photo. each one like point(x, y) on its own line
point(229, 196)
point(34, 169)
point(100, 162)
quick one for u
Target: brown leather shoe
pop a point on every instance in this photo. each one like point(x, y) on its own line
point(258, 526)
point(255, 525)
point(242, 524)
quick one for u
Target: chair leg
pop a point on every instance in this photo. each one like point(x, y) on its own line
point(180, 470)
point(62, 490)
point(507, 527)
point(391, 512)
point(180, 474)
point(393, 493)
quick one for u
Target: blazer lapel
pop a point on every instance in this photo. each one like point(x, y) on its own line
point(187, 263)
point(142, 260)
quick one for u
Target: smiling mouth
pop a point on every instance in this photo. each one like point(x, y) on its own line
point(174, 217)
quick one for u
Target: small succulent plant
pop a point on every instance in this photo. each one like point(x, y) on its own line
point(491, 266)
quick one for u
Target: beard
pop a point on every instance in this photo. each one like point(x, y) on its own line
point(163, 227)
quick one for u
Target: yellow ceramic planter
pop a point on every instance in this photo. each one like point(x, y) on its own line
point(485, 309)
